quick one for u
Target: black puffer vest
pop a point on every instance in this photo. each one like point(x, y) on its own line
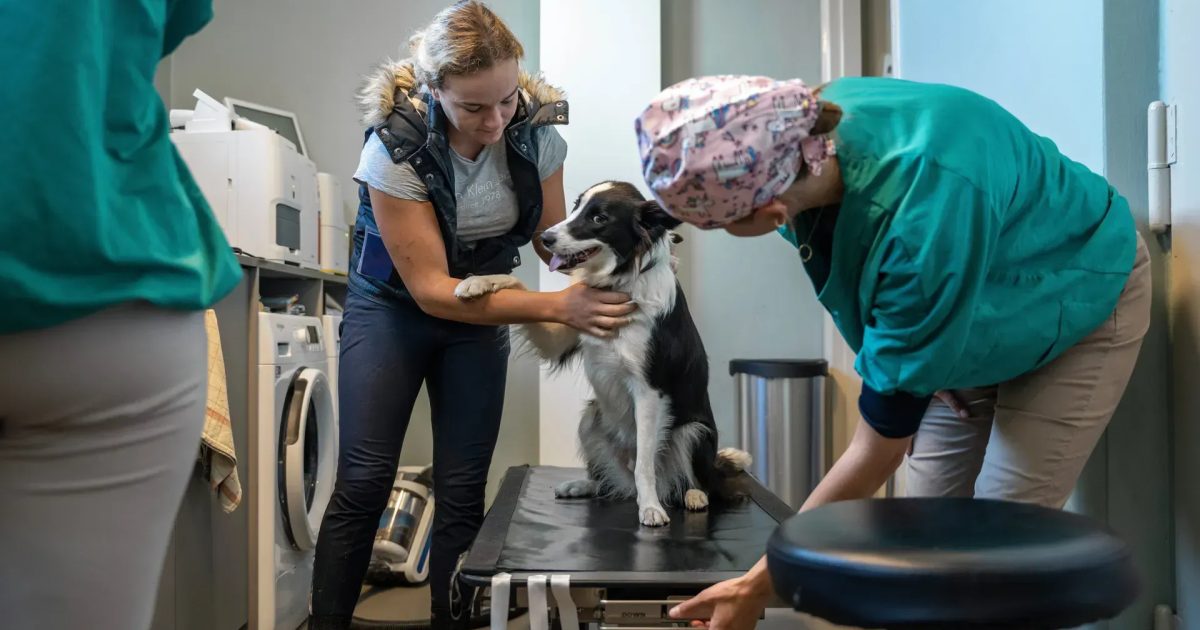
point(422, 142)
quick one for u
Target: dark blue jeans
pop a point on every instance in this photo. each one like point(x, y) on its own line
point(389, 348)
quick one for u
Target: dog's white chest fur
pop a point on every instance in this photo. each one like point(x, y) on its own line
point(616, 368)
point(620, 361)
point(622, 356)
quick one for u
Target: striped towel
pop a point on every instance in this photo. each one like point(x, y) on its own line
point(217, 452)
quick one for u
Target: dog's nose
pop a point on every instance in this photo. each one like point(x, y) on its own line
point(548, 239)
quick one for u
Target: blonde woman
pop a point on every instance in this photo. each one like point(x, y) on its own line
point(461, 166)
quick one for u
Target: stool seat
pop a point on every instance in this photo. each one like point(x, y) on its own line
point(950, 563)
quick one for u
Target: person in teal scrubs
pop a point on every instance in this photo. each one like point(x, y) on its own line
point(108, 258)
point(995, 291)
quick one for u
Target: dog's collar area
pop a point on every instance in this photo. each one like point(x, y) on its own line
point(623, 273)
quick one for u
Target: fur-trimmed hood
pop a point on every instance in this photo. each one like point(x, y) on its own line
point(396, 79)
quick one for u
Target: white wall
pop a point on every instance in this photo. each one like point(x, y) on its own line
point(750, 297)
point(308, 56)
point(1040, 60)
point(1080, 72)
point(1181, 87)
point(607, 86)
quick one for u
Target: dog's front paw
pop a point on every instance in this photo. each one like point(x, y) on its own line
point(654, 516)
point(576, 489)
point(478, 286)
point(695, 500)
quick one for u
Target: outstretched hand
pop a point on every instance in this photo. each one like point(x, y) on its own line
point(735, 604)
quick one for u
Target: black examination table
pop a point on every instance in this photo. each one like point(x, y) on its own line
point(887, 563)
point(615, 571)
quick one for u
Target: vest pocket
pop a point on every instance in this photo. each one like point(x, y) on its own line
point(375, 261)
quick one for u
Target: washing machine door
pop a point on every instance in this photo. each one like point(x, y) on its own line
point(307, 456)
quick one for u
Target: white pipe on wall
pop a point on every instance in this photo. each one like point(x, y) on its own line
point(841, 39)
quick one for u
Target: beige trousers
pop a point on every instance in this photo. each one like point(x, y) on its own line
point(1028, 439)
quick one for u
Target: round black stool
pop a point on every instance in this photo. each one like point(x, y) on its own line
point(950, 563)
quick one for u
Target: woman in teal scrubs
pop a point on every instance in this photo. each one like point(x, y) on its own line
point(108, 257)
point(995, 291)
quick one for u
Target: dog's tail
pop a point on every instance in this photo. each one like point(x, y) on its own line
point(731, 461)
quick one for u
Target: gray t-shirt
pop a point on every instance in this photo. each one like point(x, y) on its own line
point(487, 203)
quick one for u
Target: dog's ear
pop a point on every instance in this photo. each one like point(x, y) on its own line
point(652, 215)
point(828, 119)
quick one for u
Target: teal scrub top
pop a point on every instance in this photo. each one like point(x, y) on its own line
point(99, 209)
point(967, 250)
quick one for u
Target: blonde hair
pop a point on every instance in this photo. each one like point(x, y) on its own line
point(462, 39)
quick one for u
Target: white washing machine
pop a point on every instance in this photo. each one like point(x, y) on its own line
point(294, 466)
point(333, 346)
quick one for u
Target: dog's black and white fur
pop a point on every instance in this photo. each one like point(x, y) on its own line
point(649, 431)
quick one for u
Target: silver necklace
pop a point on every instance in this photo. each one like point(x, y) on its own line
point(806, 250)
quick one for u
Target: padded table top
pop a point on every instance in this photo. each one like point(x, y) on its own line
point(601, 543)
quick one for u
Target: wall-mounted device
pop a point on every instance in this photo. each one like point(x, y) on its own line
point(1160, 155)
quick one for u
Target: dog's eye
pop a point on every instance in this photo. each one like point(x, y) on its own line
point(599, 219)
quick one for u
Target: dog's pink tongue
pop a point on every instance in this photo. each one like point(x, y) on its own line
point(556, 262)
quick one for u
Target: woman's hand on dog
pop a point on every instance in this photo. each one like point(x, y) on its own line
point(593, 311)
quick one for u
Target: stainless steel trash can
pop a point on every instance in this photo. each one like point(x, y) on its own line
point(781, 422)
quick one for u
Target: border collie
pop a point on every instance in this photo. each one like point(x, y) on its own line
point(649, 431)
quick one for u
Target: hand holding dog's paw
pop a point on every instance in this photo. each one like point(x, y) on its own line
point(654, 516)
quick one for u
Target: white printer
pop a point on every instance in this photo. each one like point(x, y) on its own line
point(261, 186)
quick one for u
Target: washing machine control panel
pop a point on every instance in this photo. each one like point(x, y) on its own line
point(309, 337)
point(290, 338)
